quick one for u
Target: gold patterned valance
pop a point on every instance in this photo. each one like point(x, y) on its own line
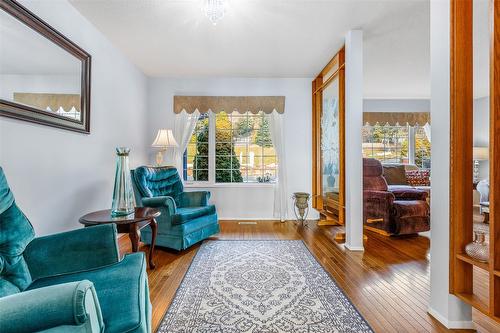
point(228, 104)
point(395, 118)
point(53, 101)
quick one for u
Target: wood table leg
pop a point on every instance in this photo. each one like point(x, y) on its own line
point(154, 226)
point(134, 237)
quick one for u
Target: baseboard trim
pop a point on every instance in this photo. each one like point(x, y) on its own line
point(450, 324)
point(354, 248)
point(258, 219)
point(248, 219)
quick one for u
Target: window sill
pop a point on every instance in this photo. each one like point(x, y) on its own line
point(229, 185)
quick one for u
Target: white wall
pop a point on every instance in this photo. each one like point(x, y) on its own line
point(445, 307)
point(482, 131)
point(481, 122)
point(58, 175)
point(60, 84)
point(240, 202)
point(396, 105)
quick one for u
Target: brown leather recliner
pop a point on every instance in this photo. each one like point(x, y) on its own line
point(400, 212)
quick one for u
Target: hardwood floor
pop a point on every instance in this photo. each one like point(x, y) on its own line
point(388, 282)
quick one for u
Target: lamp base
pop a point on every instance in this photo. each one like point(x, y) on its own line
point(159, 158)
point(475, 171)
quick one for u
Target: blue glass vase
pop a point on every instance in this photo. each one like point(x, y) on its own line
point(123, 194)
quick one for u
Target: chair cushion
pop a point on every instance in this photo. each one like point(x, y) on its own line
point(395, 174)
point(6, 196)
point(15, 234)
point(119, 288)
point(483, 187)
point(405, 192)
point(372, 175)
point(419, 177)
point(186, 214)
point(158, 181)
point(372, 167)
point(202, 222)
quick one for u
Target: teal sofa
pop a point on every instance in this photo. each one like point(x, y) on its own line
point(186, 217)
point(67, 282)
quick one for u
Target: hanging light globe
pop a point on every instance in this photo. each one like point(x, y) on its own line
point(214, 10)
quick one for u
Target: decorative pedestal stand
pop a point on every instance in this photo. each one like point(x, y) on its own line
point(301, 206)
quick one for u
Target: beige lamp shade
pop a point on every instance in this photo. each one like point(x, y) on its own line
point(480, 153)
point(164, 139)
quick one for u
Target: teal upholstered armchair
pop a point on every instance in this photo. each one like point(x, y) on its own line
point(186, 217)
point(68, 282)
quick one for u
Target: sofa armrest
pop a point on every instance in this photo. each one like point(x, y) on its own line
point(72, 251)
point(67, 305)
point(194, 199)
point(377, 206)
point(410, 193)
point(166, 204)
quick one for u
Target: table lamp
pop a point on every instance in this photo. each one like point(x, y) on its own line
point(479, 154)
point(164, 139)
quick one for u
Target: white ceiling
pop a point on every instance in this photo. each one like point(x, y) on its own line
point(278, 38)
point(271, 38)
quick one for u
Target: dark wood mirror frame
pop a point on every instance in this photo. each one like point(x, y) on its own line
point(31, 114)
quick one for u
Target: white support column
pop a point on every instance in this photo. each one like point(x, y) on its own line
point(446, 308)
point(353, 141)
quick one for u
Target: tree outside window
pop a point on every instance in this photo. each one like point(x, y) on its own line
point(227, 165)
point(422, 149)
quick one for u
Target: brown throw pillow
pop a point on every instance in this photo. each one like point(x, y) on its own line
point(418, 177)
point(395, 174)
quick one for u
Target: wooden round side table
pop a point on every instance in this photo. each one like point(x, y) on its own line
point(130, 224)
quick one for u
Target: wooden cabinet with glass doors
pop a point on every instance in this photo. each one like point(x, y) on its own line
point(328, 96)
point(475, 73)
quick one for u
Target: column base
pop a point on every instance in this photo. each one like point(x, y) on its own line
point(354, 248)
point(451, 324)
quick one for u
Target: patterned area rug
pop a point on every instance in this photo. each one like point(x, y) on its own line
point(259, 287)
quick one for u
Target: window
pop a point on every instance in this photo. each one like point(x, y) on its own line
point(422, 149)
point(240, 150)
point(397, 144)
point(196, 154)
point(386, 143)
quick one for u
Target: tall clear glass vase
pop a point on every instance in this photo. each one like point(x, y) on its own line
point(123, 194)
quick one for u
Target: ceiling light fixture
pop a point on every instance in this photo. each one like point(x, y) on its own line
point(214, 10)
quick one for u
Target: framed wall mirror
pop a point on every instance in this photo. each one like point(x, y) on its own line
point(44, 77)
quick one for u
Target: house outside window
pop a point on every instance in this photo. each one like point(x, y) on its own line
point(386, 143)
point(231, 148)
point(397, 144)
point(196, 155)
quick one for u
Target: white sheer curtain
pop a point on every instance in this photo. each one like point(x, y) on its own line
point(280, 189)
point(427, 130)
point(184, 125)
